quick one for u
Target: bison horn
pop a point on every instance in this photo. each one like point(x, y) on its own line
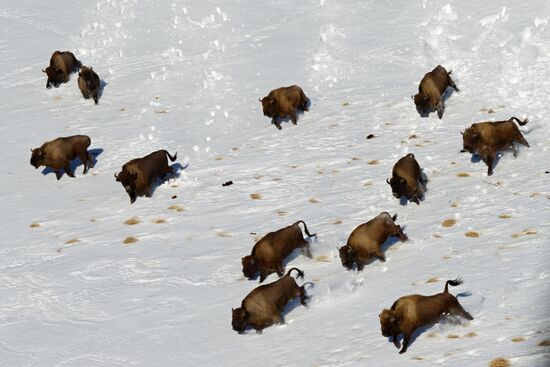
point(116, 174)
point(259, 100)
point(388, 181)
point(43, 70)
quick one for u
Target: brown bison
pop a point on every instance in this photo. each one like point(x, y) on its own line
point(365, 241)
point(486, 138)
point(138, 175)
point(269, 252)
point(263, 306)
point(407, 179)
point(431, 90)
point(58, 154)
point(409, 313)
point(284, 102)
point(62, 64)
point(88, 82)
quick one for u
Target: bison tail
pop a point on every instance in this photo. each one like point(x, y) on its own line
point(521, 123)
point(453, 283)
point(305, 228)
point(169, 156)
point(300, 273)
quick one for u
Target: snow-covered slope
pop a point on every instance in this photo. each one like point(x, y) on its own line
point(186, 76)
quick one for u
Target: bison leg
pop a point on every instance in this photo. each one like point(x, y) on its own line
point(48, 84)
point(439, 108)
point(293, 117)
point(396, 341)
point(84, 158)
point(459, 311)
point(452, 83)
point(95, 96)
point(402, 236)
point(279, 270)
point(489, 161)
point(276, 123)
point(68, 171)
point(380, 256)
point(263, 276)
point(58, 174)
point(360, 265)
point(303, 297)
point(520, 139)
point(406, 340)
point(277, 319)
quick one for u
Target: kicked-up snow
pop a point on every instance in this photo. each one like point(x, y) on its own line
point(89, 280)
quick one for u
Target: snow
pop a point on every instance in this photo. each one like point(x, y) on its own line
point(186, 77)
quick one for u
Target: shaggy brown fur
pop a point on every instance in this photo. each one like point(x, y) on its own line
point(486, 138)
point(409, 313)
point(365, 241)
point(431, 89)
point(139, 174)
point(407, 179)
point(62, 64)
point(88, 82)
point(263, 306)
point(283, 102)
point(58, 154)
point(270, 251)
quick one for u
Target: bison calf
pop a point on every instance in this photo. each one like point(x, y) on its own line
point(365, 241)
point(486, 138)
point(409, 313)
point(431, 90)
point(88, 82)
point(284, 102)
point(269, 252)
point(138, 175)
point(263, 306)
point(58, 154)
point(407, 179)
point(62, 64)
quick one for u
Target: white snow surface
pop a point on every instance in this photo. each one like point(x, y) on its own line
point(186, 76)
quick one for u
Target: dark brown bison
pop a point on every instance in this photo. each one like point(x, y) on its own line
point(138, 175)
point(407, 179)
point(62, 64)
point(284, 102)
point(58, 154)
point(88, 82)
point(263, 306)
point(486, 138)
point(431, 90)
point(270, 251)
point(365, 241)
point(409, 313)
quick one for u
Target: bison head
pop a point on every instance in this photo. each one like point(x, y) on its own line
point(422, 103)
point(268, 105)
point(250, 266)
point(348, 255)
point(470, 140)
point(128, 180)
point(37, 157)
point(239, 319)
point(389, 323)
point(55, 76)
point(398, 186)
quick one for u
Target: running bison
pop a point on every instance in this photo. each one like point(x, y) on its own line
point(486, 138)
point(57, 154)
point(263, 306)
point(62, 64)
point(284, 102)
point(138, 175)
point(407, 179)
point(410, 312)
point(269, 252)
point(88, 82)
point(431, 90)
point(365, 241)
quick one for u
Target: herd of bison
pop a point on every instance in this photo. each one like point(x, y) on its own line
point(264, 305)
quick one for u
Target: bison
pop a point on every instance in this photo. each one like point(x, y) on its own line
point(89, 83)
point(263, 306)
point(407, 179)
point(486, 138)
point(431, 90)
point(58, 154)
point(283, 102)
point(410, 312)
point(269, 252)
point(62, 64)
point(365, 241)
point(138, 175)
